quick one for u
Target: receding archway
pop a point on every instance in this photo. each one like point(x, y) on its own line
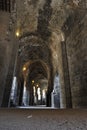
point(37, 83)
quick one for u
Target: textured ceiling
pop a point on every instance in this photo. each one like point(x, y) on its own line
point(40, 24)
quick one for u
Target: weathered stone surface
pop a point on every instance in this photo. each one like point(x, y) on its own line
point(7, 54)
point(32, 119)
point(43, 28)
point(4, 50)
point(76, 43)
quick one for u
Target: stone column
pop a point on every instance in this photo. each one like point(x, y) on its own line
point(21, 85)
point(31, 96)
point(9, 78)
point(66, 76)
point(48, 94)
point(52, 99)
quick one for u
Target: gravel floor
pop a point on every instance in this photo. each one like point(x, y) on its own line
point(43, 119)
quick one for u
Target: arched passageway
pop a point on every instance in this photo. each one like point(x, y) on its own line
point(51, 45)
point(37, 83)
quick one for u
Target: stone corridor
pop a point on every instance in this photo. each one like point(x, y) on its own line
point(43, 64)
point(43, 53)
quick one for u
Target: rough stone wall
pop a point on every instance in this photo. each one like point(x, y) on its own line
point(8, 49)
point(5, 50)
point(76, 42)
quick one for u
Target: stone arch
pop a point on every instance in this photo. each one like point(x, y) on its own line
point(38, 70)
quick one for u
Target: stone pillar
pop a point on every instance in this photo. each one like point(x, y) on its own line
point(9, 78)
point(52, 99)
point(31, 96)
point(66, 76)
point(48, 94)
point(21, 92)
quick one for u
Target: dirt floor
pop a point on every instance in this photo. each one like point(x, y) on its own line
point(43, 119)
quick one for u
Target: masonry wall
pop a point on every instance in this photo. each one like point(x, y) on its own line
point(76, 43)
point(4, 50)
point(8, 49)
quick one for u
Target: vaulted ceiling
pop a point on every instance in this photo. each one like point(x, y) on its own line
point(40, 26)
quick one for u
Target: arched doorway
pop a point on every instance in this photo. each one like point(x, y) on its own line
point(37, 83)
